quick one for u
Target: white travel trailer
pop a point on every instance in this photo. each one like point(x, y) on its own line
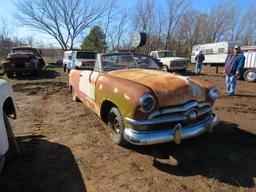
point(215, 53)
point(249, 72)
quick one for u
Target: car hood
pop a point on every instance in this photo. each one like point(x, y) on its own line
point(170, 89)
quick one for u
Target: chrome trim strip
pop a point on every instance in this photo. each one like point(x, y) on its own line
point(168, 119)
point(139, 138)
point(173, 118)
point(183, 108)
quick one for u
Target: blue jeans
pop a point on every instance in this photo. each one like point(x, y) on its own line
point(198, 68)
point(230, 84)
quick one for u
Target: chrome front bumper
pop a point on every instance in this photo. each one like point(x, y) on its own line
point(175, 134)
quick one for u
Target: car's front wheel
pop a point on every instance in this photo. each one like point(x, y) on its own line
point(116, 125)
point(14, 149)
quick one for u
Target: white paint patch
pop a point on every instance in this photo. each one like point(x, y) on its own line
point(87, 84)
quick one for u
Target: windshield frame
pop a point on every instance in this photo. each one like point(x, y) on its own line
point(134, 60)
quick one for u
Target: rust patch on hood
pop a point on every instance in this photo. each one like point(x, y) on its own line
point(169, 88)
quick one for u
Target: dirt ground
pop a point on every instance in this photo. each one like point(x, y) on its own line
point(65, 147)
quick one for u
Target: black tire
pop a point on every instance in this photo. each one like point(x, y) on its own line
point(116, 125)
point(14, 149)
point(33, 73)
point(10, 74)
point(165, 68)
point(250, 75)
point(182, 70)
point(74, 97)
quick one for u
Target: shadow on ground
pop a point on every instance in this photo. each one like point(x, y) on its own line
point(228, 156)
point(45, 74)
point(42, 166)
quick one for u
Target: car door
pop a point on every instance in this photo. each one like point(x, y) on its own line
point(87, 84)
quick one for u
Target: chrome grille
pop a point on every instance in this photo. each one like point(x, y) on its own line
point(178, 63)
point(168, 117)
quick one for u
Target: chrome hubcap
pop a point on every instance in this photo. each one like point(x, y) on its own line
point(116, 126)
point(251, 76)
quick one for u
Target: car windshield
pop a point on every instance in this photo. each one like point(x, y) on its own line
point(127, 61)
point(24, 51)
point(85, 55)
point(163, 54)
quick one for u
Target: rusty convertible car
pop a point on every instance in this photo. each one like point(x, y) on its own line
point(140, 103)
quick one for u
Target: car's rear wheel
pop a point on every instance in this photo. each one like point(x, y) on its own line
point(116, 125)
point(14, 149)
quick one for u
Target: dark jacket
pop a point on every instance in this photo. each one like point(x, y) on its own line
point(199, 58)
point(237, 63)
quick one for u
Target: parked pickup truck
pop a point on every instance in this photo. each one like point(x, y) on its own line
point(23, 60)
point(169, 61)
point(7, 110)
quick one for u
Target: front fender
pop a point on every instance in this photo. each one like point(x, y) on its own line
point(123, 93)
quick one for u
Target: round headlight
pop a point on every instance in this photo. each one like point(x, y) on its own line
point(214, 93)
point(147, 103)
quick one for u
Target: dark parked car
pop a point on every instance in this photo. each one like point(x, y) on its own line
point(23, 60)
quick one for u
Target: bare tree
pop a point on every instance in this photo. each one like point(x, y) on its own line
point(110, 14)
point(176, 9)
point(244, 25)
point(5, 37)
point(64, 20)
point(119, 30)
point(144, 19)
point(160, 27)
point(190, 31)
point(221, 19)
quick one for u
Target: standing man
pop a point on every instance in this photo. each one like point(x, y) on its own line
point(233, 68)
point(199, 61)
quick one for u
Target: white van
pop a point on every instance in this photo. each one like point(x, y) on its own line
point(7, 110)
point(73, 59)
point(214, 53)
